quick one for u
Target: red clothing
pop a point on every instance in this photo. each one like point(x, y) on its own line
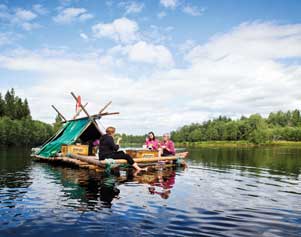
point(154, 144)
point(170, 147)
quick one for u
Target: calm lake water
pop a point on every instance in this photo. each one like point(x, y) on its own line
point(222, 192)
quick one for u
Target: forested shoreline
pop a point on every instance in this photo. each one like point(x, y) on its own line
point(16, 124)
point(279, 126)
point(18, 128)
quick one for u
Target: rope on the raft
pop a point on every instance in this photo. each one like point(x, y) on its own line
point(109, 163)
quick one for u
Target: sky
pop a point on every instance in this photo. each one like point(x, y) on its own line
point(163, 63)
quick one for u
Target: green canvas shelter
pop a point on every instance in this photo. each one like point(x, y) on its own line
point(83, 130)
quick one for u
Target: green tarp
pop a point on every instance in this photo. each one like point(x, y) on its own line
point(71, 131)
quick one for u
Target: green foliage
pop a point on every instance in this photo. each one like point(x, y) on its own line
point(254, 129)
point(16, 125)
point(2, 106)
point(23, 132)
point(132, 139)
point(13, 107)
point(57, 124)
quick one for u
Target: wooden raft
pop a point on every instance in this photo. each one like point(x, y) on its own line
point(92, 162)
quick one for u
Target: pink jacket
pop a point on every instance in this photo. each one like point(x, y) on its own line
point(154, 144)
point(170, 146)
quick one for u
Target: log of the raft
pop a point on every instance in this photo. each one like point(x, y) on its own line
point(93, 160)
point(88, 159)
point(68, 160)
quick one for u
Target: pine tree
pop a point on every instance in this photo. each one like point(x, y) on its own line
point(18, 113)
point(9, 103)
point(2, 106)
point(57, 124)
point(26, 110)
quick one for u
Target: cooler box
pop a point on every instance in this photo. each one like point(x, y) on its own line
point(142, 153)
point(75, 149)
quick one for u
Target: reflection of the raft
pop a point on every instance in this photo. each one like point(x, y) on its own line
point(97, 190)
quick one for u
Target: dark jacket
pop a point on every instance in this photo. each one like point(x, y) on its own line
point(107, 146)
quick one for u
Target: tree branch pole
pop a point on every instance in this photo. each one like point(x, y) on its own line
point(107, 113)
point(59, 113)
point(105, 107)
point(88, 115)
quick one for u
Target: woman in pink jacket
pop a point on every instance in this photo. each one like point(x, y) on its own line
point(151, 142)
point(167, 146)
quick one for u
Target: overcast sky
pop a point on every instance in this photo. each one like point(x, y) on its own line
point(163, 63)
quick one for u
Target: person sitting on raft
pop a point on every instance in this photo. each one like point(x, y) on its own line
point(151, 142)
point(108, 148)
point(167, 146)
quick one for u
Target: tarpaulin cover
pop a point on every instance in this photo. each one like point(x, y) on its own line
point(71, 130)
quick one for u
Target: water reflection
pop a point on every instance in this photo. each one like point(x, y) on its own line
point(276, 160)
point(223, 192)
point(97, 190)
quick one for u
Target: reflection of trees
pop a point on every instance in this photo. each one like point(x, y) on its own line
point(14, 175)
point(279, 160)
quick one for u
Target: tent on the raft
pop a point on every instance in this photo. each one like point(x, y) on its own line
point(81, 129)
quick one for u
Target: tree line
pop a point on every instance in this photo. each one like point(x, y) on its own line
point(18, 128)
point(16, 124)
point(255, 129)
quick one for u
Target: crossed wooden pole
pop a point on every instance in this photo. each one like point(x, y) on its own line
point(83, 108)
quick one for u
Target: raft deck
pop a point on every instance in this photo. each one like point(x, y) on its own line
point(92, 162)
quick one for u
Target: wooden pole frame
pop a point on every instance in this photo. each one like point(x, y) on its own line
point(88, 115)
point(79, 111)
point(105, 107)
point(59, 113)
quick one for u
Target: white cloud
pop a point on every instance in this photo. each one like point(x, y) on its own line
point(30, 26)
point(161, 15)
point(149, 53)
point(252, 41)
point(38, 8)
point(157, 35)
point(186, 47)
point(5, 39)
point(193, 10)
point(121, 30)
point(169, 3)
point(19, 17)
point(25, 15)
point(69, 15)
point(132, 7)
point(84, 36)
point(243, 71)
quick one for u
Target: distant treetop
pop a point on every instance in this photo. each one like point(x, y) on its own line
point(13, 106)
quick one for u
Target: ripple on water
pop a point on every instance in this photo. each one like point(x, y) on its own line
point(217, 197)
